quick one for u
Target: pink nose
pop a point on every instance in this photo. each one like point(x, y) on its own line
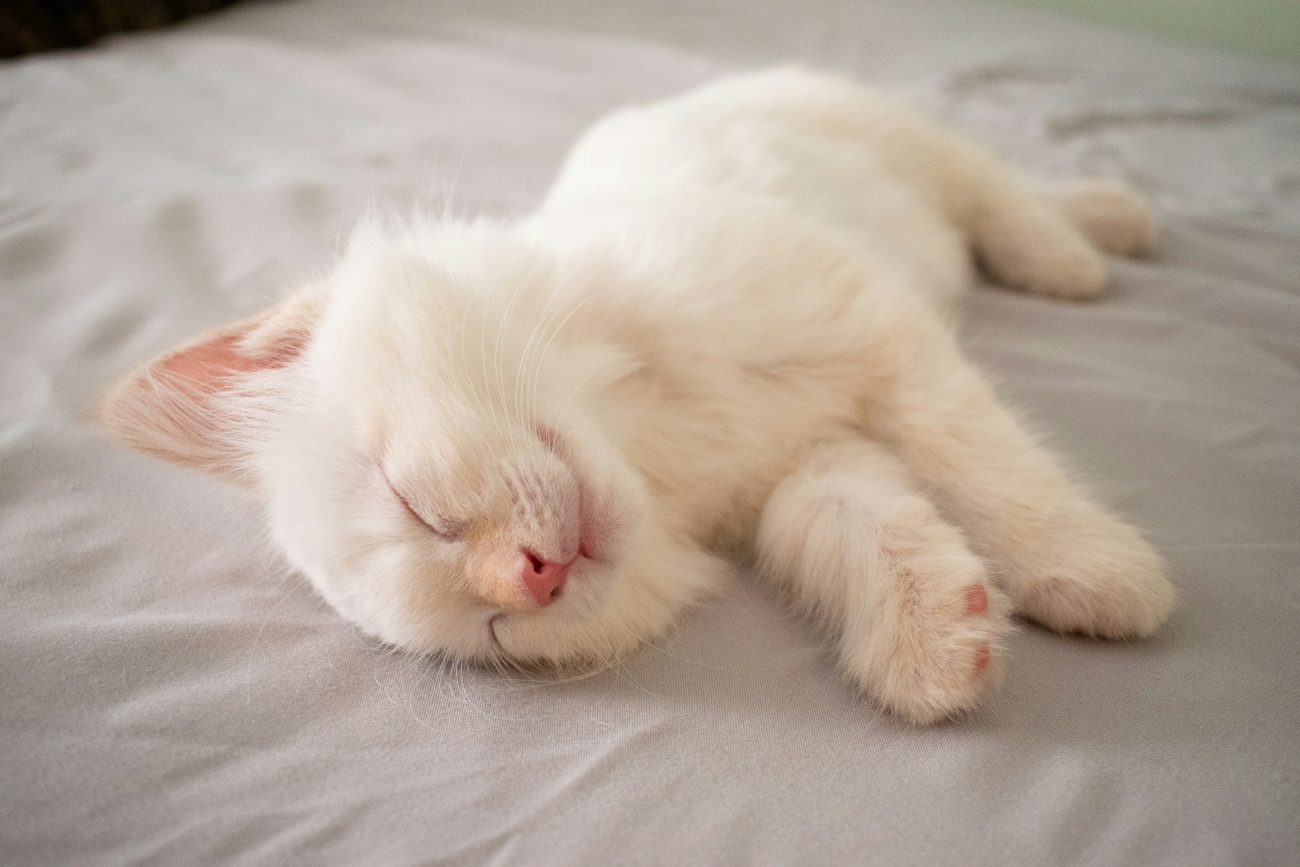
point(543, 579)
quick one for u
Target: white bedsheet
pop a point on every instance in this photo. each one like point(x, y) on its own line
point(170, 695)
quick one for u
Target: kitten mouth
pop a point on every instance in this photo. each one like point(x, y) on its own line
point(550, 438)
point(492, 632)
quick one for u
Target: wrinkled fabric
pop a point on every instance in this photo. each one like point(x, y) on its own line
point(171, 694)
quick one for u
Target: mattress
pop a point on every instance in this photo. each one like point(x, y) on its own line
point(170, 693)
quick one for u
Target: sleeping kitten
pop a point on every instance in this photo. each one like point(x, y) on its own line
point(724, 336)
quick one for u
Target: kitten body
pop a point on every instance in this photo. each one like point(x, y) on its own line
point(723, 336)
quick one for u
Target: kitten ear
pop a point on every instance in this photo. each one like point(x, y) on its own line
point(184, 406)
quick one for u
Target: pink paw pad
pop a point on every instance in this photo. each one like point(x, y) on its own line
point(982, 657)
point(977, 599)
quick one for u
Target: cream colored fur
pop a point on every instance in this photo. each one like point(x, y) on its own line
point(724, 336)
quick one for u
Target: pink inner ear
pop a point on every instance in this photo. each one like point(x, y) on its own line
point(204, 367)
point(170, 407)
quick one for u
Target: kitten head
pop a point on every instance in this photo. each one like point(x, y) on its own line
point(424, 429)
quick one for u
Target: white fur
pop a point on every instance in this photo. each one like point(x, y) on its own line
point(723, 336)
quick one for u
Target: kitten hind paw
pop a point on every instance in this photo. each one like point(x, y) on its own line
point(1115, 219)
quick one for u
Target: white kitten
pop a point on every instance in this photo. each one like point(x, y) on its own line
point(722, 336)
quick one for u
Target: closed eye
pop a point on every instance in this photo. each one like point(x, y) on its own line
point(447, 531)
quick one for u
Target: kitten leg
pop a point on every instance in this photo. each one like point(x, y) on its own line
point(919, 625)
point(1044, 244)
point(1024, 239)
point(1064, 560)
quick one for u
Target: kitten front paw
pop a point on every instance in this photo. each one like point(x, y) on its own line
point(1106, 582)
point(934, 651)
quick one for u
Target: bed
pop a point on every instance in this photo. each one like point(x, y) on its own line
point(171, 694)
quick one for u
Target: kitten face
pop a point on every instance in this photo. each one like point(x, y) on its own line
point(443, 485)
point(432, 450)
